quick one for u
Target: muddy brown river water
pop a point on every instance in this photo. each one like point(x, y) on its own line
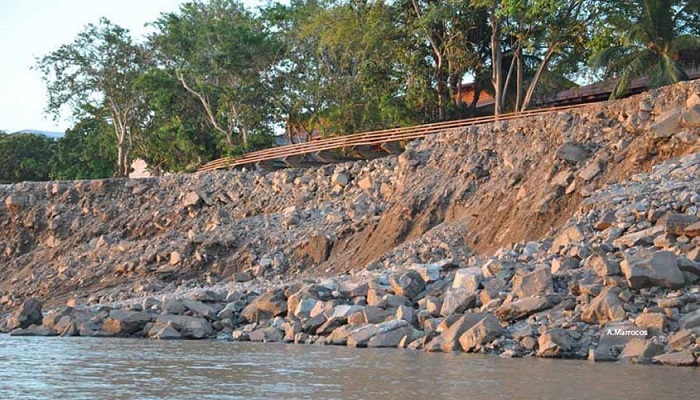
point(90, 368)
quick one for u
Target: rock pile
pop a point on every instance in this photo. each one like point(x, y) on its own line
point(574, 236)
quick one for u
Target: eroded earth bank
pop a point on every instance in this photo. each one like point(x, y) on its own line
point(573, 234)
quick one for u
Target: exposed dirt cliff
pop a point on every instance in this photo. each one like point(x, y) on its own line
point(450, 196)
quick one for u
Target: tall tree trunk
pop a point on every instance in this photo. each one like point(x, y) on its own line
point(518, 78)
point(535, 80)
point(441, 86)
point(119, 123)
point(496, 56)
point(507, 82)
point(121, 159)
point(456, 89)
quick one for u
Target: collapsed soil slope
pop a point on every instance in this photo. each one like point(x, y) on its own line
point(449, 196)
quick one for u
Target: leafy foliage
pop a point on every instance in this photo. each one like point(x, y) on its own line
point(25, 157)
point(96, 72)
point(220, 52)
point(85, 152)
point(652, 39)
point(216, 78)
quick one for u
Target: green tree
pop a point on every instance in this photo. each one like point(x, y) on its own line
point(25, 157)
point(97, 70)
point(220, 52)
point(173, 135)
point(452, 35)
point(547, 32)
point(533, 34)
point(87, 151)
point(650, 38)
point(342, 69)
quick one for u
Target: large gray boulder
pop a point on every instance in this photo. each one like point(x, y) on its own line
point(457, 300)
point(646, 269)
point(408, 284)
point(555, 343)
point(536, 282)
point(268, 334)
point(34, 330)
point(362, 334)
point(483, 332)
point(268, 305)
point(521, 308)
point(572, 153)
point(468, 278)
point(189, 327)
point(614, 336)
point(29, 313)
point(606, 307)
point(125, 322)
point(394, 337)
point(448, 341)
point(683, 358)
point(201, 309)
point(164, 331)
point(603, 266)
point(691, 320)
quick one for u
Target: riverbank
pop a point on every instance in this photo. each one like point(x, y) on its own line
point(569, 236)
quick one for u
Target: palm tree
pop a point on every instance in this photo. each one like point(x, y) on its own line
point(653, 35)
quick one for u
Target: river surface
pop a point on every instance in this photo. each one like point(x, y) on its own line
point(91, 368)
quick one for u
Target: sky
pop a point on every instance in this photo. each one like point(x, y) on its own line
point(34, 28)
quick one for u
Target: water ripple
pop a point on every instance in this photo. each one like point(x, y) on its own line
point(85, 368)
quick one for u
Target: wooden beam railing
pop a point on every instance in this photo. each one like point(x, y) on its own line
point(371, 138)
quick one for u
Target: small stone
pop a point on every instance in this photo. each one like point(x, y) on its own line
point(605, 221)
point(340, 179)
point(243, 276)
point(691, 320)
point(666, 124)
point(572, 153)
point(191, 199)
point(692, 230)
point(642, 238)
point(590, 171)
point(175, 258)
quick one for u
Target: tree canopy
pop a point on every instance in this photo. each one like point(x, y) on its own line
point(218, 78)
point(24, 157)
point(655, 39)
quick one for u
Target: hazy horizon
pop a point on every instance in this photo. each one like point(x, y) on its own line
point(33, 28)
